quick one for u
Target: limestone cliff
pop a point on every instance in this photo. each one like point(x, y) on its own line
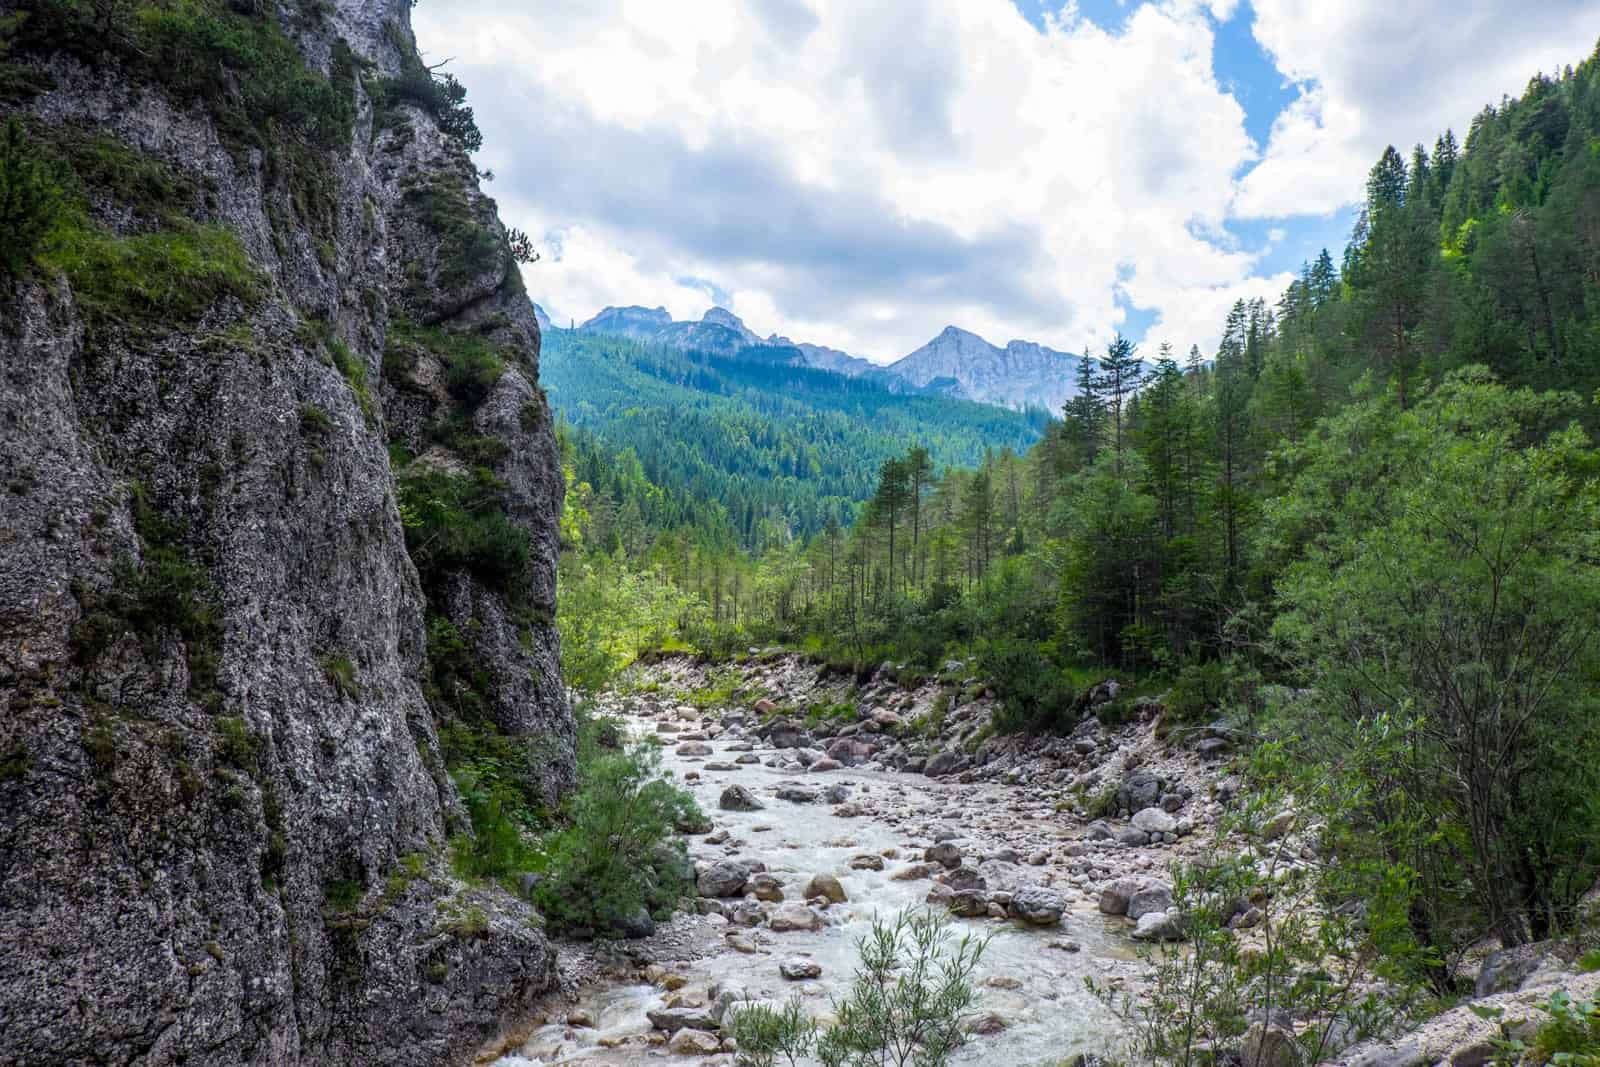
point(277, 545)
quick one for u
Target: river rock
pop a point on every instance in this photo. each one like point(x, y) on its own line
point(825, 885)
point(826, 763)
point(867, 861)
point(693, 748)
point(968, 903)
point(1159, 926)
point(1114, 896)
point(725, 878)
point(1278, 826)
point(693, 1043)
point(1037, 905)
point(837, 793)
point(964, 878)
point(683, 1018)
point(794, 793)
point(944, 763)
point(1139, 790)
point(944, 853)
point(1155, 896)
point(738, 798)
point(794, 916)
point(766, 887)
point(799, 968)
point(1155, 821)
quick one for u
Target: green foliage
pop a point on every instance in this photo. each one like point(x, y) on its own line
point(343, 895)
point(164, 592)
point(764, 1033)
point(341, 674)
point(237, 746)
point(151, 280)
point(1571, 1037)
point(468, 246)
point(439, 95)
point(30, 198)
point(616, 853)
point(472, 364)
point(458, 522)
point(909, 998)
point(1035, 696)
point(354, 371)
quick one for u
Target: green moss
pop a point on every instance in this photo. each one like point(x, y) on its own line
point(456, 522)
point(166, 592)
point(341, 674)
point(314, 422)
point(343, 895)
point(355, 374)
point(100, 742)
point(467, 247)
point(14, 763)
point(155, 281)
point(236, 745)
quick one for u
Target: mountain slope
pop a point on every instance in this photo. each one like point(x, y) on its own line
point(956, 363)
point(774, 443)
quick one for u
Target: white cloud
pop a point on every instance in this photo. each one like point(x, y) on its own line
point(1376, 72)
point(860, 174)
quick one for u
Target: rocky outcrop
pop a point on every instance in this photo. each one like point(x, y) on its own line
point(281, 325)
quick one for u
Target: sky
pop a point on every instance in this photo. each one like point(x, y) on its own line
point(862, 173)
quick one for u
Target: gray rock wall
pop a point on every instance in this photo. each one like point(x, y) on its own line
point(224, 810)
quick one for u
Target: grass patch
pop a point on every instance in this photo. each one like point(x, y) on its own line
point(341, 674)
point(467, 248)
point(458, 522)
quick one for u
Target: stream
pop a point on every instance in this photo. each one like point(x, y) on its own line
point(1030, 978)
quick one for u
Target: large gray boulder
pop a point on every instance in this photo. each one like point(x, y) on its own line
point(1038, 905)
point(725, 878)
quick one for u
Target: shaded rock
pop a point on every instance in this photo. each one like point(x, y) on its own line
point(693, 1043)
point(799, 968)
point(693, 748)
point(1140, 790)
point(825, 885)
point(794, 916)
point(1278, 826)
point(945, 853)
point(725, 878)
point(968, 903)
point(867, 861)
point(675, 1019)
point(766, 887)
point(738, 798)
point(1037, 905)
point(944, 763)
point(1269, 1046)
point(1159, 926)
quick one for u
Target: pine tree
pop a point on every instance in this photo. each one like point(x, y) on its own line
point(1083, 417)
point(1119, 375)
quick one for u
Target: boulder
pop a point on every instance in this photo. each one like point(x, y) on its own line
point(674, 1019)
point(1155, 896)
point(867, 861)
point(1140, 790)
point(824, 764)
point(944, 763)
point(964, 878)
point(693, 748)
point(1155, 821)
point(1159, 926)
point(968, 903)
point(1037, 905)
point(738, 798)
point(825, 885)
point(1269, 1046)
point(794, 916)
point(766, 887)
point(693, 1043)
point(1278, 826)
point(795, 793)
point(725, 878)
point(944, 853)
point(799, 968)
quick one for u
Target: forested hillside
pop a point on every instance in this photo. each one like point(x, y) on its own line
point(1379, 492)
point(766, 451)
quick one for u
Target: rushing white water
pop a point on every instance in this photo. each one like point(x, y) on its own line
point(1049, 1013)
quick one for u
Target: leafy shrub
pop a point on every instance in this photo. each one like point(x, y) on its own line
point(440, 95)
point(472, 364)
point(341, 674)
point(467, 247)
point(617, 853)
point(1034, 696)
point(764, 1033)
point(456, 522)
point(30, 198)
point(909, 998)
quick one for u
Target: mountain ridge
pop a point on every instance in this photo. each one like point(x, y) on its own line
point(956, 363)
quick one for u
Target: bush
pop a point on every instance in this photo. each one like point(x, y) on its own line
point(1035, 697)
point(764, 1033)
point(909, 998)
point(472, 364)
point(30, 199)
point(617, 853)
point(456, 522)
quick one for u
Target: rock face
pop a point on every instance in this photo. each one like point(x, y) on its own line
point(225, 673)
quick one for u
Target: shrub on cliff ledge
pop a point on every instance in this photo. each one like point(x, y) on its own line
point(30, 199)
